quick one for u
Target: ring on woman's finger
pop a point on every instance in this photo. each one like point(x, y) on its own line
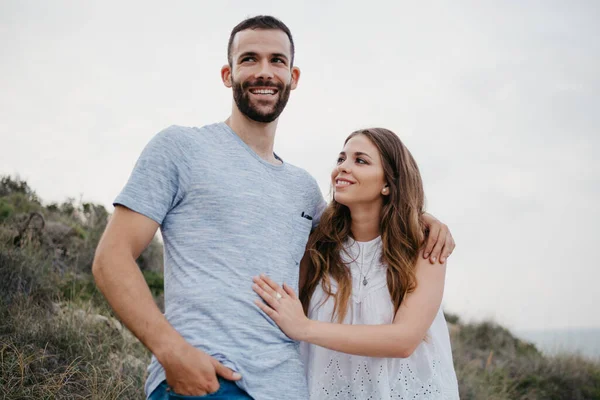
point(278, 295)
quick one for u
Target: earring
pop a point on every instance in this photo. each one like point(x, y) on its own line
point(385, 190)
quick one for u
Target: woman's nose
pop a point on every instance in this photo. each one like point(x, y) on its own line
point(343, 167)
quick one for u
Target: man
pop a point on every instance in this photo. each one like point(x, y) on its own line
point(229, 208)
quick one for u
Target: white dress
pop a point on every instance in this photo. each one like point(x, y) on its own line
point(427, 374)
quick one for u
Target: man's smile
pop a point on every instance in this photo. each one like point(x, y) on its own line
point(263, 91)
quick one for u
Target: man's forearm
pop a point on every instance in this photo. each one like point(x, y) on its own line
point(120, 280)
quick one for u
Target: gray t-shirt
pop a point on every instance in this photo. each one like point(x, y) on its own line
point(226, 215)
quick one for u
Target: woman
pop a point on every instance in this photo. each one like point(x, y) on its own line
point(375, 329)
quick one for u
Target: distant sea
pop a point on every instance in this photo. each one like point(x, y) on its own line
point(585, 342)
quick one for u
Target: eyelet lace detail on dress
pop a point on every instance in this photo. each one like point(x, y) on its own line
point(365, 378)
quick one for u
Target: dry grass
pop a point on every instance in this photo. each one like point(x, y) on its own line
point(53, 344)
point(493, 364)
point(53, 352)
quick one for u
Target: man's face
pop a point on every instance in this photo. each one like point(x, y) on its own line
point(261, 75)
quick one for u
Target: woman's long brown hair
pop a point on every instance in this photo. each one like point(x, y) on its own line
point(402, 232)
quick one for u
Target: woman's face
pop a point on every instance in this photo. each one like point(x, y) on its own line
point(358, 177)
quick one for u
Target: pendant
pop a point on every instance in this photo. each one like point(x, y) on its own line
point(365, 281)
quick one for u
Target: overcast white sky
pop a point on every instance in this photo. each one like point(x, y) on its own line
point(498, 102)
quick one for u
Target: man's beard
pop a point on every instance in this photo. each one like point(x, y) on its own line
point(242, 99)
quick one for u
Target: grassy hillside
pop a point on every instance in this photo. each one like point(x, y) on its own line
point(59, 339)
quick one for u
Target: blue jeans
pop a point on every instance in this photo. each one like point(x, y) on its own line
point(228, 390)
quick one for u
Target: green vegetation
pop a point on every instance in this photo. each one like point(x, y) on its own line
point(59, 338)
point(492, 364)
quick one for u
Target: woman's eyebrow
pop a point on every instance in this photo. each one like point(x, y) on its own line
point(361, 153)
point(356, 154)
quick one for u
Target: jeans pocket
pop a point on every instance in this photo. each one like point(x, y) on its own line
point(173, 395)
point(164, 392)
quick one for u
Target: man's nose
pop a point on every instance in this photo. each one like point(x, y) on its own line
point(265, 70)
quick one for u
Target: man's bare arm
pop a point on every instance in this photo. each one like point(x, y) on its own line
point(189, 370)
point(121, 281)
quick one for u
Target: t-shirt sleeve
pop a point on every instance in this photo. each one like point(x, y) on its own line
point(319, 204)
point(154, 186)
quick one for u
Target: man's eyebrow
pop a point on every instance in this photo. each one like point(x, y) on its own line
point(255, 54)
point(280, 55)
point(246, 54)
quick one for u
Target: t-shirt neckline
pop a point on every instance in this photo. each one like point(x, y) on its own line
point(230, 131)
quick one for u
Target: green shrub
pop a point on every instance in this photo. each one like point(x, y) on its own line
point(80, 288)
point(451, 318)
point(46, 352)
point(151, 258)
point(79, 231)
point(155, 282)
point(491, 363)
point(6, 210)
point(9, 186)
point(21, 203)
point(26, 272)
point(53, 208)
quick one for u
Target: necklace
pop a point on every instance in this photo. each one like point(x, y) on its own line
point(365, 281)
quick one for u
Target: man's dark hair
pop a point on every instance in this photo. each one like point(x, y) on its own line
point(260, 22)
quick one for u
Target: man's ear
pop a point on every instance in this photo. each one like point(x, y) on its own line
point(295, 77)
point(226, 75)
